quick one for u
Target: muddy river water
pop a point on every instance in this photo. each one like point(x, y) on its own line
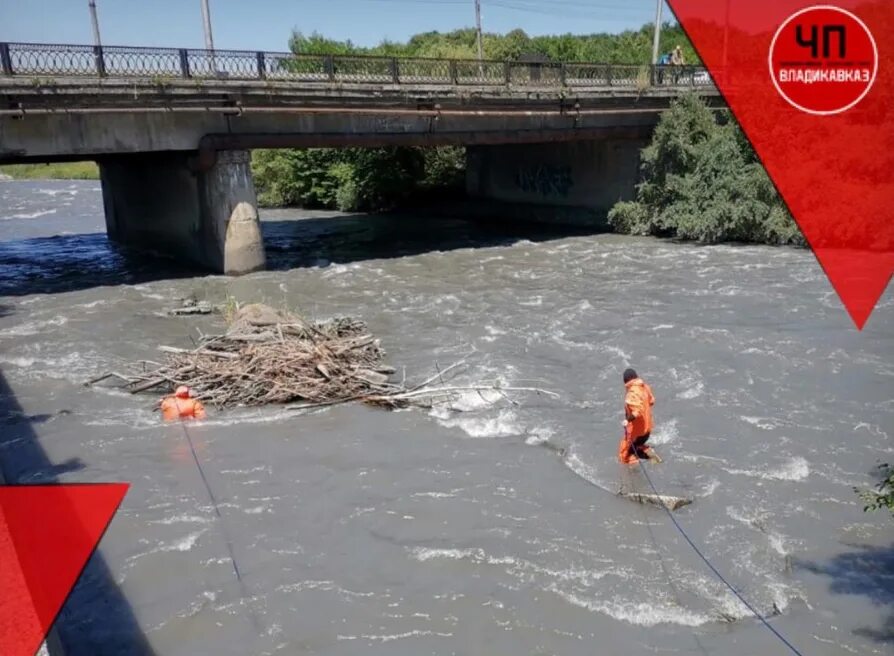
point(453, 531)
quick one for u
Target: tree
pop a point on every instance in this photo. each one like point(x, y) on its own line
point(702, 181)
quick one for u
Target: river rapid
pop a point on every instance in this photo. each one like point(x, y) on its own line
point(454, 531)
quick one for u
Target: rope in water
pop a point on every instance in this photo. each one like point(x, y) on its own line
point(714, 569)
point(226, 537)
point(255, 620)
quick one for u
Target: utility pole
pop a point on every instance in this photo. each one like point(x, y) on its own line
point(206, 19)
point(96, 40)
point(655, 41)
point(478, 24)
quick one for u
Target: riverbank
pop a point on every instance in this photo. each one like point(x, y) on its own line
point(54, 171)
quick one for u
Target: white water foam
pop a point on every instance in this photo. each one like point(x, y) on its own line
point(764, 423)
point(691, 381)
point(539, 435)
point(184, 518)
point(33, 327)
point(621, 353)
point(394, 636)
point(32, 215)
point(183, 544)
point(665, 433)
point(796, 469)
point(503, 425)
point(55, 192)
point(582, 469)
point(637, 613)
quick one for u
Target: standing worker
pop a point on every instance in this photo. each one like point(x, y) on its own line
point(638, 402)
point(181, 405)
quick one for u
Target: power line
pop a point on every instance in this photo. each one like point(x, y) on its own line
point(576, 3)
point(569, 11)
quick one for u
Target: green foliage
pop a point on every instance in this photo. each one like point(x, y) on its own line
point(355, 179)
point(295, 177)
point(317, 44)
point(349, 179)
point(702, 181)
point(57, 171)
point(883, 496)
point(445, 168)
point(630, 47)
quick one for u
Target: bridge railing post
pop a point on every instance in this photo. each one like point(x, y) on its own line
point(395, 70)
point(99, 61)
point(563, 75)
point(453, 73)
point(262, 66)
point(184, 63)
point(329, 67)
point(507, 73)
point(608, 74)
point(5, 59)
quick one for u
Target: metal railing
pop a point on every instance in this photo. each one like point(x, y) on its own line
point(39, 59)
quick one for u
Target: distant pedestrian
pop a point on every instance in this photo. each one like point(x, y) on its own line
point(181, 405)
point(663, 62)
point(677, 62)
point(677, 57)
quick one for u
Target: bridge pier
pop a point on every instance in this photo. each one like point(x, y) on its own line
point(571, 183)
point(156, 202)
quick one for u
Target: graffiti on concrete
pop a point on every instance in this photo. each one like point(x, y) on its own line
point(545, 180)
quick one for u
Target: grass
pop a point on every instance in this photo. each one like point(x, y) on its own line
point(57, 171)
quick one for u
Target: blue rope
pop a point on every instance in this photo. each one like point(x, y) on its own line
point(226, 537)
point(714, 569)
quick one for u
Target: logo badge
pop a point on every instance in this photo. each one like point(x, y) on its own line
point(823, 60)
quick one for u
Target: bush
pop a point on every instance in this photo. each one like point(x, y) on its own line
point(295, 177)
point(55, 171)
point(884, 496)
point(348, 179)
point(702, 181)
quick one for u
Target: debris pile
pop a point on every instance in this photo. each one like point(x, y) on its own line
point(267, 356)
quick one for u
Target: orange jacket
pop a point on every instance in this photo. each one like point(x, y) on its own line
point(638, 402)
point(173, 408)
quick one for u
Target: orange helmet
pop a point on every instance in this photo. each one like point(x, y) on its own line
point(182, 392)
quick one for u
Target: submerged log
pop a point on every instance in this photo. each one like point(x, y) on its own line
point(202, 307)
point(669, 502)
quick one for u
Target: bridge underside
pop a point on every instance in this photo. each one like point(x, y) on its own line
point(174, 156)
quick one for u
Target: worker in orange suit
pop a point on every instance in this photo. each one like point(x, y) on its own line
point(181, 405)
point(638, 402)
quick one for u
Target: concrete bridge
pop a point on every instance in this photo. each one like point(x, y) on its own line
point(172, 129)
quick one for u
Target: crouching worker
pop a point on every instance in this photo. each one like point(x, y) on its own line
point(638, 402)
point(181, 405)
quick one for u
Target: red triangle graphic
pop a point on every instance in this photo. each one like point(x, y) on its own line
point(47, 533)
point(835, 171)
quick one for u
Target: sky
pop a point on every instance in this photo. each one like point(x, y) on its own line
point(267, 24)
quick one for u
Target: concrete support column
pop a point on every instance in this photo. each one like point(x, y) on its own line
point(155, 202)
point(575, 182)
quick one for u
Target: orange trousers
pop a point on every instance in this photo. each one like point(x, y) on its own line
point(631, 451)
